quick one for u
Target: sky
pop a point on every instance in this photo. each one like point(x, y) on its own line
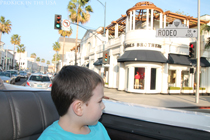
point(33, 20)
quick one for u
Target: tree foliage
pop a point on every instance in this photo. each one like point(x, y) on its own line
point(21, 48)
point(38, 59)
point(33, 55)
point(15, 39)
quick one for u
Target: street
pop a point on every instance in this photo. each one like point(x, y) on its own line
point(21, 82)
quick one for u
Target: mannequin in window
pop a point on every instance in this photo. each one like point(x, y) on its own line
point(137, 77)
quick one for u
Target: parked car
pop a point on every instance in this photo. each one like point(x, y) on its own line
point(53, 76)
point(15, 73)
point(23, 74)
point(41, 81)
point(7, 77)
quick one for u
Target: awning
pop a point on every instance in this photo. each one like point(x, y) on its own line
point(87, 65)
point(185, 60)
point(98, 62)
point(203, 62)
point(179, 59)
point(143, 56)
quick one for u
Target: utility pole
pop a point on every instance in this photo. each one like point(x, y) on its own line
point(102, 68)
point(6, 58)
point(198, 57)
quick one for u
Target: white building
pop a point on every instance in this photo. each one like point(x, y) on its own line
point(28, 63)
point(133, 48)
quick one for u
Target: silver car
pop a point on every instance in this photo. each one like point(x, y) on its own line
point(23, 74)
point(7, 77)
point(41, 81)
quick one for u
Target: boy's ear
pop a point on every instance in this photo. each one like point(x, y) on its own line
point(77, 106)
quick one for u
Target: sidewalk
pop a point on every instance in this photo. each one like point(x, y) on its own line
point(157, 100)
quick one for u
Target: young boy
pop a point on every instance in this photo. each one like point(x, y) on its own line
point(77, 93)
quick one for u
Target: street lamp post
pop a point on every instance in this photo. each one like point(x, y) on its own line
point(102, 69)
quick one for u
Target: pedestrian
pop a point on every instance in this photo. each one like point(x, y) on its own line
point(77, 93)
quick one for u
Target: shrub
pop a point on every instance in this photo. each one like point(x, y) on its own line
point(202, 88)
point(187, 88)
point(174, 88)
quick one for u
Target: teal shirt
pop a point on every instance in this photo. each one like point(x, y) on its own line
point(55, 132)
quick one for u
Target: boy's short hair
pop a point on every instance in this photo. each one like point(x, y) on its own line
point(71, 83)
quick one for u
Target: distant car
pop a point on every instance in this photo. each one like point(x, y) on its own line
point(7, 77)
point(15, 73)
point(41, 81)
point(50, 74)
point(53, 76)
point(23, 74)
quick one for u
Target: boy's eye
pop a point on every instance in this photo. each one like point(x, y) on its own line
point(100, 101)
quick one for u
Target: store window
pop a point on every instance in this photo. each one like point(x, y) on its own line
point(153, 79)
point(185, 79)
point(171, 78)
point(139, 78)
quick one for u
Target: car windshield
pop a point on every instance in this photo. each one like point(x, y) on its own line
point(22, 72)
point(4, 74)
point(12, 72)
point(39, 78)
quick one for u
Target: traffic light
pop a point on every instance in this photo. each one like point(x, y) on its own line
point(106, 57)
point(57, 24)
point(192, 50)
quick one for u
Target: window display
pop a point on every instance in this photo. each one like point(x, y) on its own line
point(139, 78)
point(171, 78)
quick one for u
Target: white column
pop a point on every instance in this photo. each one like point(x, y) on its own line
point(188, 23)
point(116, 31)
point(161, 21)
point(185, 22)
point(122, 39)
point(134, 16)
point(164, 21)
point(111, 69)
point(152, 19)
point(178, 78)
point(147, 19)
point(130, 20)
point(131, 79)
point(121, 76)
point(126, 27)
point(164, 83)
point(107, 35)
point(208, 80)
point(147, 79)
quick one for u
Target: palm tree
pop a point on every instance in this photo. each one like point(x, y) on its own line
point(206, 28)
point(33, 55)
point(64, 34)
point(56, 57)
point(15, 39)
point(43, 60)
point(20, 49)
point(38, 59)
point(5, 26)
point(56, 47)
point(48, 62)
point(79, 13)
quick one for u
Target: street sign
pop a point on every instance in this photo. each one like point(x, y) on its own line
point(66, 25)
point(176, 30)
point(7, 58)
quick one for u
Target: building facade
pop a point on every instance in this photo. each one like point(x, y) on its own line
point(141, 62)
